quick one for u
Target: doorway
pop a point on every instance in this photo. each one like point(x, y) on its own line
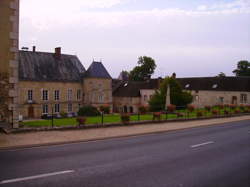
point(31, 112)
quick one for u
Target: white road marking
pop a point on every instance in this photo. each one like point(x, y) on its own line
point(36, 177)
point(202, 144)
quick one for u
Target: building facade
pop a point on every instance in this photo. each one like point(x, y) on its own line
point(9, 37)
point(55, 83)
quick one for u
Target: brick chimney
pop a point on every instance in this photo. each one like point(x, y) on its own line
point(34, 48)
point(58, 52)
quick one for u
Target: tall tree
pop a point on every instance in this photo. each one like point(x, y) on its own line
point(144, 70)
point(243, 68)
point(177, 95)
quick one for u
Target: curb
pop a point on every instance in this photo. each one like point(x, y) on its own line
point(95, 126)
point(11, 148)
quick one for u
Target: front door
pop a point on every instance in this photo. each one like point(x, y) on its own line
point(31, 112)
point(234, 100)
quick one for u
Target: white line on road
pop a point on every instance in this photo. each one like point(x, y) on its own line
point(202, 144)
point(36, 177)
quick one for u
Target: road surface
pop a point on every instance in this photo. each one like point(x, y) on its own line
point(216, 156)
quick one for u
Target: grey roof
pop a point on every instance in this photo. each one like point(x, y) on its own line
point(41, 66)
point(132, 88)
point(97, 70)
point(216, 83)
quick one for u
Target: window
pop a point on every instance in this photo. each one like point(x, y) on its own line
point(57, 108)
point(79, 94)
point(215, 86)
point(57, 95)
point(70, 92)
point(100, 98)
point(221, 100)
point(30, 95)
point(243, 98)
point(145, 97)
point(45, 109)
point(70, 107)
point(197, 98)
point(187, 85)
point(45, 95)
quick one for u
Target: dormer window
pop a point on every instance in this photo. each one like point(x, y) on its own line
point(187, 86)
point(126, 84)
point(215, 86)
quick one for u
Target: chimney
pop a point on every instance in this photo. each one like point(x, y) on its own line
point(34, 48)
point(58, 52)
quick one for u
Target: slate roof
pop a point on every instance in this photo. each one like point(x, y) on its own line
point(216, 83)
point(132, 88)
point(41, 66)
point(97, 70)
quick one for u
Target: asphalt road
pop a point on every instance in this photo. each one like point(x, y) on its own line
point(216, 156)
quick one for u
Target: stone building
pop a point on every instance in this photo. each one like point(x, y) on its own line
point(129, 95)
point(218, 90)
point(9, 32)
point(58, 83)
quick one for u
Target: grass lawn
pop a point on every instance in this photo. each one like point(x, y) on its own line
point(113, 118)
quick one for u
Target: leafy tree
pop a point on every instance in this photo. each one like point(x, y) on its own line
point(177, 95)
point(243, 68)
point(144, 70)
point(221, 74)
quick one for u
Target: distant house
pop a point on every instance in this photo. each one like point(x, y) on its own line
point(218, 90)
point(59, 83)
point(129, 95)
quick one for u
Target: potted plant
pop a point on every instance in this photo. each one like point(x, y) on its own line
point(81, 120)
point(125, 118)
point(157, 115)
point(199, 114)
point(171, 108)
point(142, 109)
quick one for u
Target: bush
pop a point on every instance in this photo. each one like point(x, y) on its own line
point(81, 120)
point(221, 107)
point(157, 115)
point(105, 109)
point(232, 107)
point(199, 114)
point(142, 109)
point(237, 111)
point(226, 112)
point(171, 108)
point(190, 108)
point(242, 107)
point(63, 114)
point(179, 115)
point(88, 111)
point(208, 108)
point(125, 118)
point(215, 112)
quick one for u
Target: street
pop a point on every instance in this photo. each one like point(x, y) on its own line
point(217, 156)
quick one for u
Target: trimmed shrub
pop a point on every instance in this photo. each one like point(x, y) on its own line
point(142, 109)
point(125, 118)
point(88, 111)
point(105, 109)
point(81, 120)
point(157, 115)
point(171, 108)
point(190, 108)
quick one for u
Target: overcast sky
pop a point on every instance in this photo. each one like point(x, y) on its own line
point(189, 37)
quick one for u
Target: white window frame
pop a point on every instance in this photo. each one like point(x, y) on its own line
point(57, 108)
point(100, 98)
point(70, 107)
point(30, 95)
point(57, 95)
point(243, 98)
point(45, 109)
point(45, 98)
point(69, 95)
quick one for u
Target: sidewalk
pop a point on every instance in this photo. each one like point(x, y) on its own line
point(58, 137)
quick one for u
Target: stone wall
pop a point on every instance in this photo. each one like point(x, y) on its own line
point(9, 36)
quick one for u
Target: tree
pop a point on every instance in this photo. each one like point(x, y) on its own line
point(144, 70)
point(221, 74)
point(243, 68)
point(177, 95)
